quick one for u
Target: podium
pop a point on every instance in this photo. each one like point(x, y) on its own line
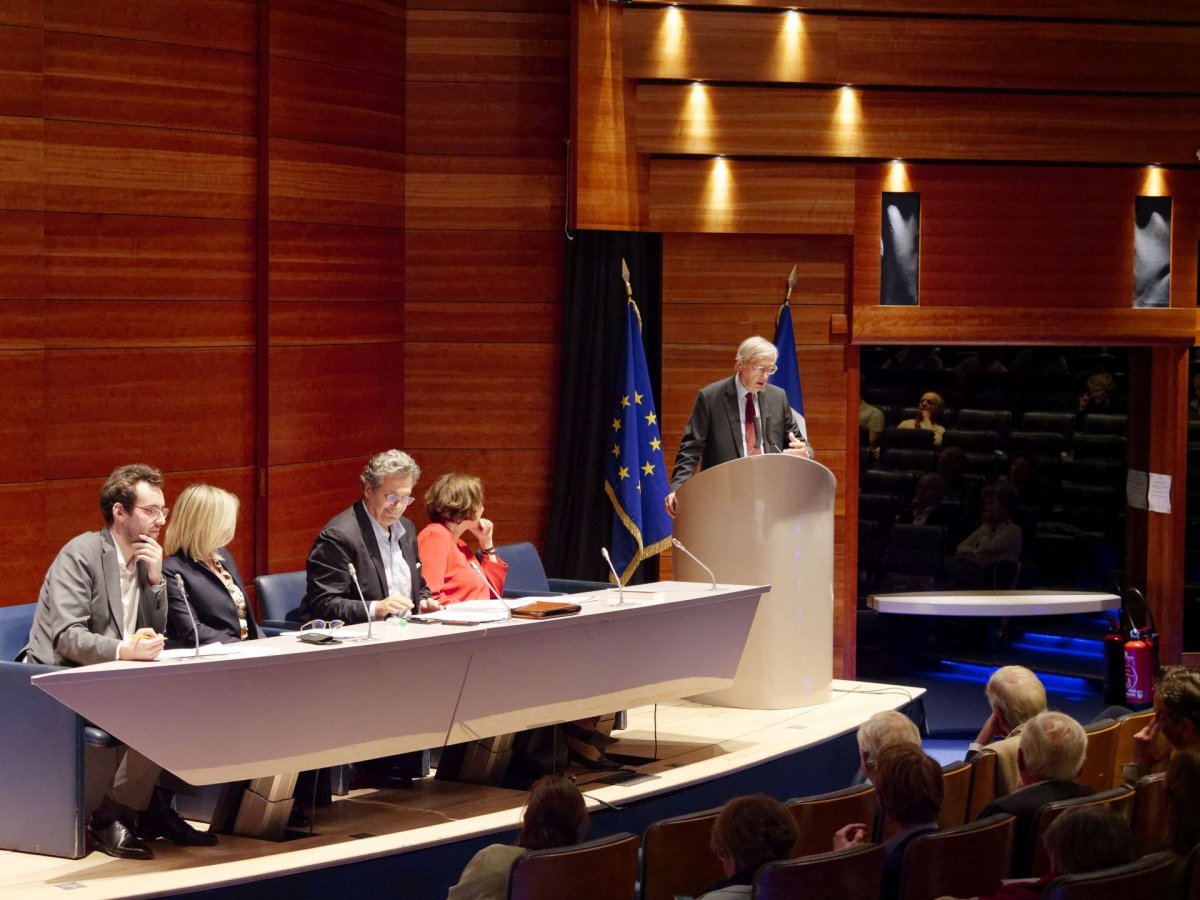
point(768, 520)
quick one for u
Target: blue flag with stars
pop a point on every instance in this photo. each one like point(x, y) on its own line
point(635, 477)
point(788, 375)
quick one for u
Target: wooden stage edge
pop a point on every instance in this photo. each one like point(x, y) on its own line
point(695, 745)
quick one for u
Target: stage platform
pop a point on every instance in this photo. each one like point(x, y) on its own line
point(412, 844)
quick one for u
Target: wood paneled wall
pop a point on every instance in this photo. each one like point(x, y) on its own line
point(743, 127)
point(255, 241)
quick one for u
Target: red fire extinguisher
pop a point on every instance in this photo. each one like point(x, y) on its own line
point(1140, 657)
point(1114, 664)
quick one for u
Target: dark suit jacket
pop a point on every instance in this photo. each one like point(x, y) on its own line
point(216, 616)
point(714, 432)
point(349, 538)
point(78, 617)
point(1025, 805)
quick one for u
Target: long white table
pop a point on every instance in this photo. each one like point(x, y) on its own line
point(994, 603)
point(282, 706)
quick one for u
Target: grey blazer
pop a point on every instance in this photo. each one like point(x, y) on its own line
point(78, 616)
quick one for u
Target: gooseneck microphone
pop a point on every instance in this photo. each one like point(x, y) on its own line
point(188, 606)
point(491, 590)
point(616, 577)
point(366, 606)
point(696, 560)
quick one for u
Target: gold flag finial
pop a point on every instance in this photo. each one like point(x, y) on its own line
point(791, 283)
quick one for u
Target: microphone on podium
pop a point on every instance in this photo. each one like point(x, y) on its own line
point(616, 578)
point(478, 571)
point(366, 606)
point(696, 560)
point(188, 606)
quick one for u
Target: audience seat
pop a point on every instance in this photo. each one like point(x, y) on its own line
point(1129, 726)
point(1191, 875)
point(1146, 877)
point(527, 577)
point(1057, 422)
point(915, 553)
point(956, 784)
point(901, 459)
point(1118, 800)
point(1046, 446)
point(966, 861)
point(1105, 472)
point(1104, 423)
point(850, 873)
point(998, 420)
point(879, 508)
point(15, 624)
point(279, 597)
point(819, 816)
point(603, 869)
point(1098, 765)
point(912, 438)
point(1150, 817)
point(972, 441)
point(983, 783)
point(880, 481)
point(677, 859)
point(1098, 446)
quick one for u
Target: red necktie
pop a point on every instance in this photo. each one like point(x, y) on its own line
point(751, 433)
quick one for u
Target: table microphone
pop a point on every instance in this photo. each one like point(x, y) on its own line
point(696, 560)
point(478, 571)
point(188, 607)
point(366, 606)
point(616, 578)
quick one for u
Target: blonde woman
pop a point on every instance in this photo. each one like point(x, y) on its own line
point(201, 526)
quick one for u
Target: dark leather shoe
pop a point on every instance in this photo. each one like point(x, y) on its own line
point(162, 821)
point(601, 764)
point(116, 839)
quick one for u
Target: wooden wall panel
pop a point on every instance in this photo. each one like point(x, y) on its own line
point(113, 257)
point(112, 406)
point(313, 182)
point(22, 271)
point(1166, 10)
point(91, 78)
point(369, 37)
point(22, 12)
point(22, 165)
point(487, 119)
point(312, 322)
point(484, 266)
point(302, 499)
point(316, 261)
point(845, 123)
point(495, 193)
point(329, 402)
point(219, 24)
point(22, 324)
point(20, 71)
point(507, 323)
point(180, 324)
point(724, 196)
point(148, 171)
point(23, 542)
point(337, 105)
point(900, 51)
point(485, 45)
point(22, 452)
point(476, 396)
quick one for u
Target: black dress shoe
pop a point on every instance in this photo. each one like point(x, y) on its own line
point(116, 839)
point(162, 821)
point(601, 764)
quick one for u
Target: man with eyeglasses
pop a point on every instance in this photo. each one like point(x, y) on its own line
point(104, 599)
point(729, 413)
point(1175, 726)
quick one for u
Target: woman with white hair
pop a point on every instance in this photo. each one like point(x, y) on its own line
point(195, 550)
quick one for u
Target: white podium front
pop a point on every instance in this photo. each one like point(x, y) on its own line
point(768, 519)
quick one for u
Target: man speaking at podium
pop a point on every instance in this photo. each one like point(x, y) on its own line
point(729, 415)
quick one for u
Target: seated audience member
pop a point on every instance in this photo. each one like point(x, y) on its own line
point(1050, 755)
point(882, 730)
point(196, 543)
point(748, 832)
point(373, 537)
point(1183, 809)
point(929, 413)
point(910, 792)
point(952, 466)
point(1025, 482)
point(997, 540)
point(1098, 397)
point(1175, 726)
point(105, 599)
point(1193, 398)
point(928, 507)
point(870, 419)
point(455, 506)
point(1015, 695)
point(555, 816)
point(986, 362)
point(1079, 841)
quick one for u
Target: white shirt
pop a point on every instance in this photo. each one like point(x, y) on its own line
point(395, 567)
point(130, 597)
point(742, 394)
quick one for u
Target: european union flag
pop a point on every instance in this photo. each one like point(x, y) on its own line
point(635, 477)
point(788, 375)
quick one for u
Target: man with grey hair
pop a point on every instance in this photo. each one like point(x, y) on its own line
point(1051, 753)
point(1015, 695)
point(374, 537)
point(882, 730)
point(738, 416)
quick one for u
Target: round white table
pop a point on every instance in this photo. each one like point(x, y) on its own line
point(994, 603)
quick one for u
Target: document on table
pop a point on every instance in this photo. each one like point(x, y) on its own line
point(241, 648)
point(474, 612)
